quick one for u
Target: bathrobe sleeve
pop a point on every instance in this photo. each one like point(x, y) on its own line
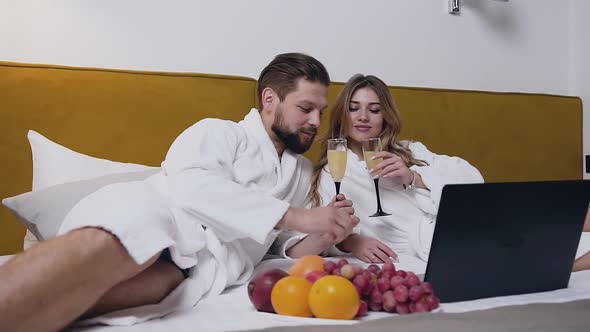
point(199, 168)
point(441, 170)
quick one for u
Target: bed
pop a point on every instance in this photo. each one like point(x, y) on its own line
point(560, 310)
point(563, 310)
point(132, 116)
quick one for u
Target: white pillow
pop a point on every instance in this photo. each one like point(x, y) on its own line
point(54, 164)
point(43, 211)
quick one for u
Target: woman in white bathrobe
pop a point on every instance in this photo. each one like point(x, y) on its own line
point(411, 179)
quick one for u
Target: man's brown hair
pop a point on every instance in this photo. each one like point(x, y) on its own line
point(284, 71)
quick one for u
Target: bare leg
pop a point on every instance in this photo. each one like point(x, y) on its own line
point(582, 263)
point(50, 285)
point(148, 287)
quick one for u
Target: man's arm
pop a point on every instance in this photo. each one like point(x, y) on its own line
point(200, 178)
point(318, 241)
point(334, 222)
point(204, 156)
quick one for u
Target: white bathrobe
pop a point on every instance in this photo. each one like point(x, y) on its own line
point(409, 228)
point(221, 191)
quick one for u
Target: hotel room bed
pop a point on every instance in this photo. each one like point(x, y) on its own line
point(560, 310)
point(573, 317)
point(133, 117)
point(564, 310)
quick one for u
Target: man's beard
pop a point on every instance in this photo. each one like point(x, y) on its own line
point(291, 140)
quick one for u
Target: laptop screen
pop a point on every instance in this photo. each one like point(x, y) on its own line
point(496, 239)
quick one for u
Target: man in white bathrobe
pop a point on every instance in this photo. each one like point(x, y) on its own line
point(225, 190)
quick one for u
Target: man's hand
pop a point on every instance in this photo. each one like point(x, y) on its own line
point(335, 221)
point(368, 250)
point(338, 201)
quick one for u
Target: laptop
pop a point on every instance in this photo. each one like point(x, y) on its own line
point(497, 239)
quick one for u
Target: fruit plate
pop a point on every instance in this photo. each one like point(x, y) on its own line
point(307, 320)
point(386, 288)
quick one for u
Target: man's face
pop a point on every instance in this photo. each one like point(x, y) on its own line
point(298, 116)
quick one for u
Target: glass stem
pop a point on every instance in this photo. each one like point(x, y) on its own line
point(337, 187)
point(376, 180)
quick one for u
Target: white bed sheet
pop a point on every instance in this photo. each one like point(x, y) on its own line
point(232, 310)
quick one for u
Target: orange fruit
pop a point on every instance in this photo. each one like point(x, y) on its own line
point(334, 297)
point(307, 264)
point(290, 295)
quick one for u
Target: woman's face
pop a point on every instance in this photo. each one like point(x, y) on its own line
point(366, 119)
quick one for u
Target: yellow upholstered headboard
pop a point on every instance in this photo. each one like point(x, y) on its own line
point(119, 115)
point(507, 136)
point(134, 116)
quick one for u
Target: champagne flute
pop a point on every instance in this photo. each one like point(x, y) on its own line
point(370, 147)
point(337, 151)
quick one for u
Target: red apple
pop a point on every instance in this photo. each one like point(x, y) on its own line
point(260, 287)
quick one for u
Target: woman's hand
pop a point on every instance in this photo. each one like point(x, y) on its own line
point(368, 249)
point(393, 167)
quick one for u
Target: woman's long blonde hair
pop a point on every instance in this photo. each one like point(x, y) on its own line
point(340, 122)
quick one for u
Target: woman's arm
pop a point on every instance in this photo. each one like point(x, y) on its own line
point(312, 244)
point(440, 171)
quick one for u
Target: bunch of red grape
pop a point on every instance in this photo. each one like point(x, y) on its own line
point(385, 288)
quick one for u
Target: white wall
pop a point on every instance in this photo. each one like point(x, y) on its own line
point(580, 62)
point(517, 45)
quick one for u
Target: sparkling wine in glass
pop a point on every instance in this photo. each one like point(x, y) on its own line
point(370, 148)
point(337, 151)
